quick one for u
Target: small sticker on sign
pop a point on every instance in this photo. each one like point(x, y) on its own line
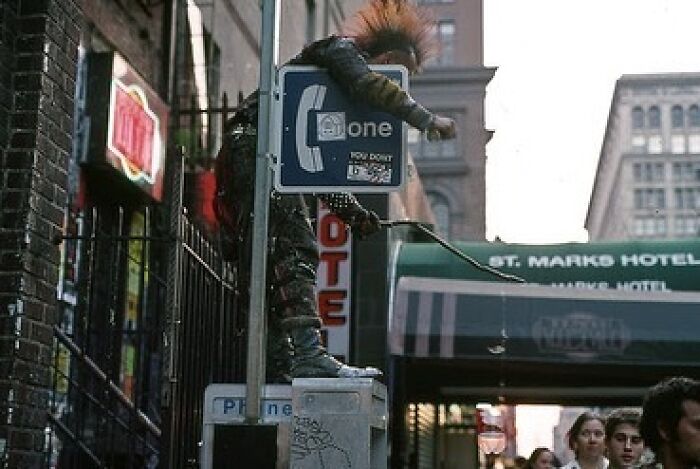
point(370, 167)
point(369, 172)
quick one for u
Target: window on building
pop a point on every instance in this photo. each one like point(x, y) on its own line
point(637, 117)
point(659, 174)
point(661, 226)
point(683, 172)
point(654, 144)
point(648, 172)
point(677, 117)
point(649, 198)
point(446, 38)
point(650, 226)
point(639, 144)
point(677, 144)
point(694, 115)
point(440, 149)
point(637, 172)
point(441, 209)
point(654, 117)
point(694, 143)
point(678, 196)
point(687, 197)
point(686, 225)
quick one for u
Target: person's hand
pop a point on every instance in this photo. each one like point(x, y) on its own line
point(366, 224)
point(441, 128)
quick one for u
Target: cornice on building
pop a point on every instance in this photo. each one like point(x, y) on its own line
point(455, 75)
point(660, 79)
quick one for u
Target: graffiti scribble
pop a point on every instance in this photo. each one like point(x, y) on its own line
point(310, 438)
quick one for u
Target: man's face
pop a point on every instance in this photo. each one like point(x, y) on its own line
point(624, 446)
point(686, 447)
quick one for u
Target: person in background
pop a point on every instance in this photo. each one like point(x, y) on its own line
point(587, 440)
point(520, 462)
point(623, 442)
point(382, 32)
point(670, 423)
point(542, 458)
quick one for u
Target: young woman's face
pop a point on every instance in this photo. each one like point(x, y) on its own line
point(545, 460)
point(589, 443)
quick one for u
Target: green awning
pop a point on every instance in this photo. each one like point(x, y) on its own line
point(630, 266)
point(438, 318)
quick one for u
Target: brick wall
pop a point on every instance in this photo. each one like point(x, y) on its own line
point(8, 12)
point(134, 30)
point(38, 52)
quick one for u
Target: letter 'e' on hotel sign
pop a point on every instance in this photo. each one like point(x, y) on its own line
point(128, 123)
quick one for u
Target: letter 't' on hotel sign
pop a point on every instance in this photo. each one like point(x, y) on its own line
point(128, 123)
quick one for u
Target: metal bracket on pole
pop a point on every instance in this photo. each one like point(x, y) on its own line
point(255, 372)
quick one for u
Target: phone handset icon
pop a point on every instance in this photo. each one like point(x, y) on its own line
point(309, 157)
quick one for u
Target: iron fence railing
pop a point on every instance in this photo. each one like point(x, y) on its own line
point(104, 408)
point(110, 345)
point(209, 345)
point(148, 318)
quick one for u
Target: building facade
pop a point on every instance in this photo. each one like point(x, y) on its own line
point(647, 184)
point(454, 84)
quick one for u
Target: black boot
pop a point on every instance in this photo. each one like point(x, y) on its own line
point(312, 361)
point(279, 356)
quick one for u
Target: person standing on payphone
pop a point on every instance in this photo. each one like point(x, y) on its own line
point(382, 32)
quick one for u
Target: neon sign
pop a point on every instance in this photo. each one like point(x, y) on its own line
point(134, 133)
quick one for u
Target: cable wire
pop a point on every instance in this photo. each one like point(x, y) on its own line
point(452, 249)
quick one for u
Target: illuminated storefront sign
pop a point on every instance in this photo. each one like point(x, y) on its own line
point(128, 123)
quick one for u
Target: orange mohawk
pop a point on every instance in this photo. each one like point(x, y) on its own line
point(384, 25)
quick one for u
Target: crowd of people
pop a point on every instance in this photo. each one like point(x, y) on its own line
point(664, 435)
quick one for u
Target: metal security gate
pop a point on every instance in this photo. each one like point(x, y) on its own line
point(208, 342)
point(105, 409)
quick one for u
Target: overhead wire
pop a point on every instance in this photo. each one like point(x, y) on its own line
point(476, 264)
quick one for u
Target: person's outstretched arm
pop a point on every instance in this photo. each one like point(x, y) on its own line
point(347, 66)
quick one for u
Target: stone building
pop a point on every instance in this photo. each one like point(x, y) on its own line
point(647, 184)
point(454, 84)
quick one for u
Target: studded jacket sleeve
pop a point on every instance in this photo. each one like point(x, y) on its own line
point(346, 206)
point(347, 66)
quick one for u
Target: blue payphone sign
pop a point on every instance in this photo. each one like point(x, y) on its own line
point(329, 142)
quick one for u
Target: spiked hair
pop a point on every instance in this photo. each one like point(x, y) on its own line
point(385, 25)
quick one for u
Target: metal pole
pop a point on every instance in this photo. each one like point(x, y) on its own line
point(255, 372)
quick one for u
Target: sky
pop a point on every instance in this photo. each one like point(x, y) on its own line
point(535, 424)
point(548, 103)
